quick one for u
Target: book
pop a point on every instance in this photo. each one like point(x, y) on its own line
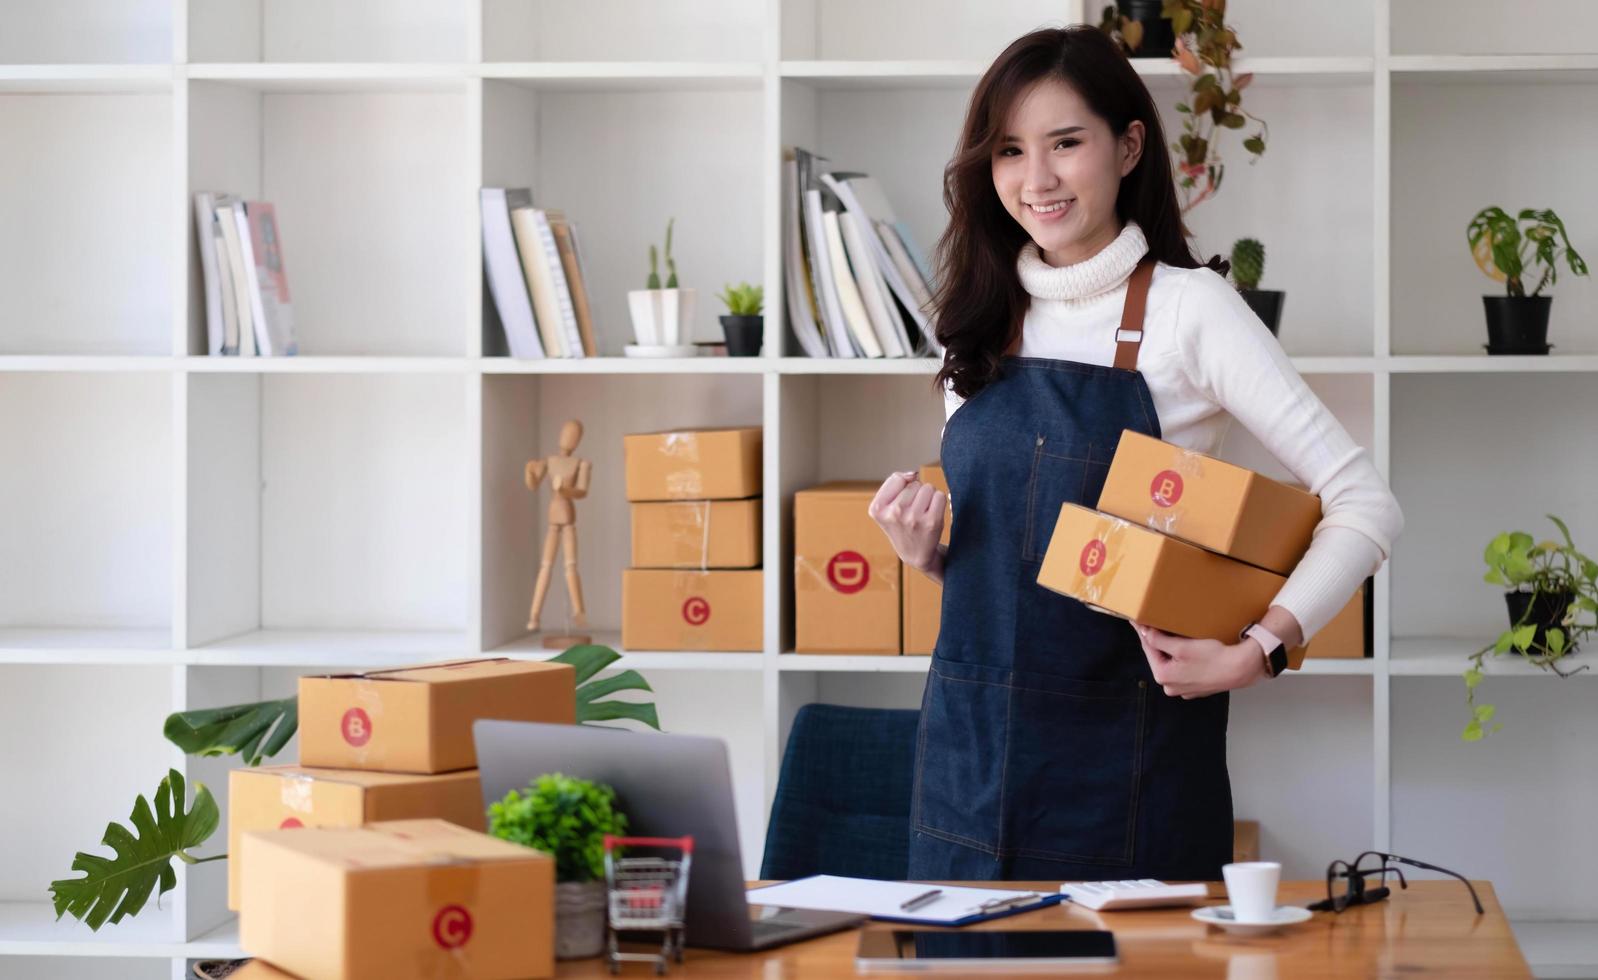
point(571, 262)
point(815, 237)
point(800, 297)
point(873, 290)
point(854, 310)
point(557, 279)
point(227, 222)
point(535, 268)
point(271, 279)
point(205, 242)
point(503, 270)
point(863, 199)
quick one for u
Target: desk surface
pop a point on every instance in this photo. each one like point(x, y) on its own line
point(1430, 929)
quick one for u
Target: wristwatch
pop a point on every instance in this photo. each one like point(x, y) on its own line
point(1275, 649)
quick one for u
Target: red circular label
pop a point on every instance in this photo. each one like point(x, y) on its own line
point(452, 927)
point(356, 727)
point(848, 571)
point(1092, 557)
point(1166, 489)
point(290, 823)
point(696, 611)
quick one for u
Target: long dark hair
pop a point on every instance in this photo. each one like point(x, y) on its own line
point(980, 301)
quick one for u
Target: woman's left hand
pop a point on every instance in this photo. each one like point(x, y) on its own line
point(1190, 668)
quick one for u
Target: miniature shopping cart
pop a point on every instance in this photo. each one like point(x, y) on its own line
point(647, 894)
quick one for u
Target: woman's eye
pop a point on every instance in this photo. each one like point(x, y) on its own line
point(1065, 143)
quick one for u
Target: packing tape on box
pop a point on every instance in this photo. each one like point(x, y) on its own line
point(1096, 564)
point(366, 713)
point(689, 523)
point(846, 572)
point(295, 792)
point(1189, 466)
point(683, 447)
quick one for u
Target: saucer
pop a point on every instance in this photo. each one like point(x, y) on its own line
point(661, 350)
point(1283, 915)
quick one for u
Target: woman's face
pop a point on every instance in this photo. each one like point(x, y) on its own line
point(1058, 169)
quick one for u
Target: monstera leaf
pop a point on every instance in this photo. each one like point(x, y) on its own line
point(589, 659)
point(115, 888)
point(254, 731)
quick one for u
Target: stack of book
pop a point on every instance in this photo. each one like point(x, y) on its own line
point(535, 276)
point(247, 309)
point(856, 284)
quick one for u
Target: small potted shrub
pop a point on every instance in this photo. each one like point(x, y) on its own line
point(1553, 605)
point(662, 318)
point(743, 323)
point(1141, 26)
point(1517, 322)
point(1248, 264)
point(568, 819)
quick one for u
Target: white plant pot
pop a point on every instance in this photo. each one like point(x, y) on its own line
point(662, 317)
point(579, 919)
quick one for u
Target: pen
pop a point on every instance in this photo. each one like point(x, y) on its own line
point(994, 905)
point(921, 899)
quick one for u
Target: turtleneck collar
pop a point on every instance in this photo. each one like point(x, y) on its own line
point(1085, 280)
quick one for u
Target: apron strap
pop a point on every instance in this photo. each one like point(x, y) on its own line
point(1130, 335)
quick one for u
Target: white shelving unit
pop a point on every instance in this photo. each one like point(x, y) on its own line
point(184, 531)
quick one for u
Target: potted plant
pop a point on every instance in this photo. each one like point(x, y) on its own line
point(1248, 264)
point(743, 323)
point(567, 818)
point(1140, 26)
point(662, 318)
point(1553, 606)
point(1517, 322)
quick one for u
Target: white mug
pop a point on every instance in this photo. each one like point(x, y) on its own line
point(1251, 887)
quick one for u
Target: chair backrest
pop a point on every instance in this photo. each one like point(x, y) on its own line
point(843, 795)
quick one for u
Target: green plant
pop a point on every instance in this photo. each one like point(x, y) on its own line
point(1248, 262)
point(653, 282)
point(563, 816)
point(742, 299)
point(115, 888)
point(253, 731)
point(1496, 243)
point(1518, 562)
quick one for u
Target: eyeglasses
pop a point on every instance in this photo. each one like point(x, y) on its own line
point(1345, 883)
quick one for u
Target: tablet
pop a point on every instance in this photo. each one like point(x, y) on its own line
point(1042, 950)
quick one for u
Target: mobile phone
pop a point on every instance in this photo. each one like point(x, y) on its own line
point(898, 950)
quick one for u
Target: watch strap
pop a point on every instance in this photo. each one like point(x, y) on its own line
point(1275, 649)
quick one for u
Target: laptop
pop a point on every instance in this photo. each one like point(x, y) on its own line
point(668, 786)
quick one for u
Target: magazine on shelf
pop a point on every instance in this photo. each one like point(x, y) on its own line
point(854, 309)
point(864, 200)
point(233, 250)
point(801, 298)
point(271, 278)
point(815, 240)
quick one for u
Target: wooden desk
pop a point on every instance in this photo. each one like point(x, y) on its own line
point(1431, 929)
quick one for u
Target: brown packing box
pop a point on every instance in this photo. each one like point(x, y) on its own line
point(283, 797)
point(680, 609)
point(923, 598)
point(696, 534)
point(406, 898)
point(1245, 840)
point(1216, 505)
point(693, 464)
point(846, 573)
point(1140, 574)
point(419, 719)
point(1348, 634)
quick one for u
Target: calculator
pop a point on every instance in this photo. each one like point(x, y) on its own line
point(1144, 893)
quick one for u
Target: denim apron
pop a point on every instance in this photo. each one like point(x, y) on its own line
point(1046, 750)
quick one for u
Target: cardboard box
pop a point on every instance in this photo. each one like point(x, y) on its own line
point(419, 719)
point(846, 573)
point(1228, 509)
point(1245, 840)
point(693, 464)
point(923, 598)
point(287, 797)
point(1348, 634)
point(1137, 573)
point(696, 534)
point(407, 898)
point(677, 609)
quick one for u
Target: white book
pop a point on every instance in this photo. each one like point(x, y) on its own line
point(873, 291)
point(228, 219)
point(801, 300)
point(224, 278)
point(831, 306)
point(848, 293)
point(205, 244)
point(535, 269)
point(557, 275)
point(502, 267)
point(921, 311)
point(272, 279)
point(864, 200)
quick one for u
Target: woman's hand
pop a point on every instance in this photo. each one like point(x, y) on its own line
point(911, 514)
point(1190, 668)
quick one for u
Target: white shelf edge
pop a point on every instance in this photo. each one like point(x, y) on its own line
point(1490, 64)
point(329, 364)
point(1443, 656)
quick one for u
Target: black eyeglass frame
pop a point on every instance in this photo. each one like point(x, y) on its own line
point(1357, 894)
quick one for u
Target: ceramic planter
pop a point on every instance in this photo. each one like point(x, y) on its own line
point(1159, 38)
point(1517, 324)
point(662, 317)
point(579, 919)
point(743, 334)
point(1266, 304)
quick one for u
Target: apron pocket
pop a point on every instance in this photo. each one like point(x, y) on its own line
point(1075, 768)
point(1059, 475)
point(960, 753)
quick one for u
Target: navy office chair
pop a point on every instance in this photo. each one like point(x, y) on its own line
point(843, 795)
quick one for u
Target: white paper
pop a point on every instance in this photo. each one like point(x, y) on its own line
point(880, 899)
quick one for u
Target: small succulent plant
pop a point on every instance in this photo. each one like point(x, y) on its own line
point(653, 282)
point(1248, 262)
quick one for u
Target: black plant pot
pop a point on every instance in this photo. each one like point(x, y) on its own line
point(1266, 304)
point(743, 335)
point(1159, 39)
point(1517, 324)
point(1546, 613)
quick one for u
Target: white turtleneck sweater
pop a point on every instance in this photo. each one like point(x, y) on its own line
point(1207, 358)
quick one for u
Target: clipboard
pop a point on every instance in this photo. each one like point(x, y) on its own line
point(957, 905)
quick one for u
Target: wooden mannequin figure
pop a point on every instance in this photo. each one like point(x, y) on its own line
point(568, 481)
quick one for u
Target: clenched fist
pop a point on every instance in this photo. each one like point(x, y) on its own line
point(911, 514)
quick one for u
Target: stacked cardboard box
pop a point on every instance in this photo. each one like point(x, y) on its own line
point(1181, 541)
point(846, 573)
point(388, 745)
point(695, 581)
point(923, 598)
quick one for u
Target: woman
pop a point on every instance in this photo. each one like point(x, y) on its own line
point(1057, 742)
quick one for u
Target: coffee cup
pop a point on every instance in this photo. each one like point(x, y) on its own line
point(1251, 887)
